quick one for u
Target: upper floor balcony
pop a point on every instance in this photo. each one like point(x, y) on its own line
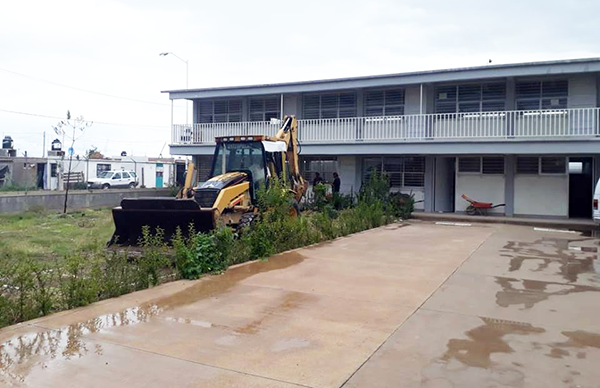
point(557, 124)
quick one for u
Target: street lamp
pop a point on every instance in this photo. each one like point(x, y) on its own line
point(186, 80)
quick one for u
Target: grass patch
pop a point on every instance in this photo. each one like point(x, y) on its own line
point(41, 235)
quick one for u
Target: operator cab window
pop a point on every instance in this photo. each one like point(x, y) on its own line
point(245, 157)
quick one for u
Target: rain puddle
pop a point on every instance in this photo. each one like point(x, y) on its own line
point(474, 361)
point(468, 362)
point(22, 353)
point(529, 292)
point(567, 258)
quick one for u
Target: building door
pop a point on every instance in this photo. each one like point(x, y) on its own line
point(159, 175)
point(444, 184)
point(581, 187)
point(41, 175)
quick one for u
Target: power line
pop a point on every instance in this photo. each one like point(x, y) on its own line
point(149, 127)
point(84, 90)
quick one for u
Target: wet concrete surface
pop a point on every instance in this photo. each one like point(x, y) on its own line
point(308, 318)
point(419, 306)
point(522, 311)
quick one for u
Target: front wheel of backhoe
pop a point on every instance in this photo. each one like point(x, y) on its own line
point(295, 209)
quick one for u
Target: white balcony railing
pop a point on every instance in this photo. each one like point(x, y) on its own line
point(534, 124)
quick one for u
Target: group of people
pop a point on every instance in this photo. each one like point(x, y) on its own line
point(335, 185)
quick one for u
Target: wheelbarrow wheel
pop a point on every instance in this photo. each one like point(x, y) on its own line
point(471, 210)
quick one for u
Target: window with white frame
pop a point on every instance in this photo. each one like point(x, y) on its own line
point(467, 98)
point(329, 105)
point(324, 165)
point(534, 165)
point(535, 95)
point(219, 111)
point(264, 108)
point(402, 171)
point(389, 102)
point(488, 165)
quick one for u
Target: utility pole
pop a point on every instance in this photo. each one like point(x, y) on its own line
point(44, 146)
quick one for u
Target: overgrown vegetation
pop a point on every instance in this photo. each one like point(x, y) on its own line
point(77, 270)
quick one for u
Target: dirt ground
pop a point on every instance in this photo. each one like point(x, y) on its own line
point(423, 305)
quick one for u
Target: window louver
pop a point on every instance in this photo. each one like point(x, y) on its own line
point(329, 105)
point(264, 109)
point(470, 98)
point(219, 111)
point(534, 95)
point(493, 165)
point(528, 165)
point(384, 102)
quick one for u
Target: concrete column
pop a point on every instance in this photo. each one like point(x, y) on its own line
point(429, 183)
point(245, 109)
point(360, 103)
point(511, 103)
point(596, 170)
point(349, 171)
point(509, 184)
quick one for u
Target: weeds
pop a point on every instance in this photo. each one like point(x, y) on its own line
point(31, 288)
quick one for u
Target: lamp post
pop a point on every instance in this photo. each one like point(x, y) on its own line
point(186, 79)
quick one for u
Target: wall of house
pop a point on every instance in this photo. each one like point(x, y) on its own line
point(480, 187)
point(292, 105)
point(349, 170)
point(542, 195)
point(582, 91)
point(412, 100)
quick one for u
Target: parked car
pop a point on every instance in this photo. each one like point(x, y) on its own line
point(595, 210)
point(114, 179)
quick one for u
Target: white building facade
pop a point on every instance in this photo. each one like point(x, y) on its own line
point(526, 135)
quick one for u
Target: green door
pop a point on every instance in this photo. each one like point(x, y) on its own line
point(159, 175)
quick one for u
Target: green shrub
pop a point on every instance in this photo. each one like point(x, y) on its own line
point(153, 258)
point(404, 204)
point(79, 280)
point(119, 275)
point(202, 253)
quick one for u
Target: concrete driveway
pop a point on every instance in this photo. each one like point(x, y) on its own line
point(420, 305)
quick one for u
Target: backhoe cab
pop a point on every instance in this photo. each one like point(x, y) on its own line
point(241, 165)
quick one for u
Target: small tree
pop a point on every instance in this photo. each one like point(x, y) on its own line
point(75, 125)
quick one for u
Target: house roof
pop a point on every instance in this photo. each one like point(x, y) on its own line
point(570, 66)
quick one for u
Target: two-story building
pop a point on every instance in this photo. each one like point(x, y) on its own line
point(527, 135)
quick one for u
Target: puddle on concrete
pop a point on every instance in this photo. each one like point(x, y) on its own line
point(22, 353)
point(468, 362)
point(576, 341)
point(563, 256)
point(530, 292)
point(485, 340)
point(475, 361)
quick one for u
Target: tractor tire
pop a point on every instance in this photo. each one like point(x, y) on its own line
point(246, 222)
point(295, 209)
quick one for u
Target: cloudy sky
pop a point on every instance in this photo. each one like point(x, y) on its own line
point(99, 59)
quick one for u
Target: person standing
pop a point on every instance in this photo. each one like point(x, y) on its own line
point(336, 183)
point(317, 179)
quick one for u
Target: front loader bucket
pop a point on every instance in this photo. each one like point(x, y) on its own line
point(164, 213)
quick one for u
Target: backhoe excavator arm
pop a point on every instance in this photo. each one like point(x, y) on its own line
point(289, 134)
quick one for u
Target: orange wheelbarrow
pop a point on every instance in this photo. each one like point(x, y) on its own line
point(477, 207)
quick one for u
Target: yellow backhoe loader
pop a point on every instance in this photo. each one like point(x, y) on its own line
point(241, 164)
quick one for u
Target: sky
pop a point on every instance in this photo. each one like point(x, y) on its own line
point(100, 59)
